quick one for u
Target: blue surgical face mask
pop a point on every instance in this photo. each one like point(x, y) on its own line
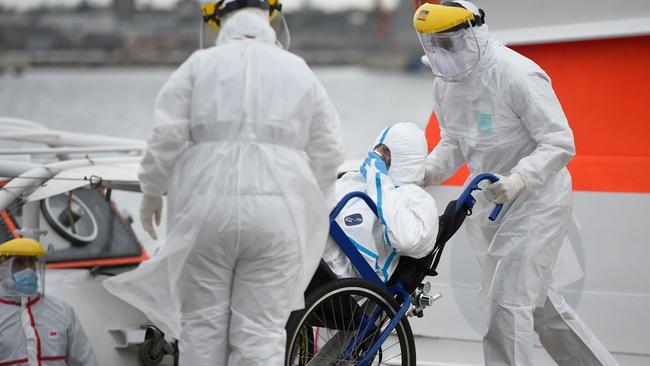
point(26, 282)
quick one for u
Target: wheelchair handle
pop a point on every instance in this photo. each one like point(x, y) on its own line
point(468, 201)
point(339, 206)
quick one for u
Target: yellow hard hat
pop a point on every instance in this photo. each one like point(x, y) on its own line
point(213, 12)
point(23, 247)
point(449, 17)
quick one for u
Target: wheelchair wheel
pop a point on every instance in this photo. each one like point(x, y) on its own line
point(340, 323)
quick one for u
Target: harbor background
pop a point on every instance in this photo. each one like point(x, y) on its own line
point(97, 67)
point(125, 32)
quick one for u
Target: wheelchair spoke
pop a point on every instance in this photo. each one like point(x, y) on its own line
point(333, 314)
point(343, 318)
point(320, 321)
point(343, 322)
point(353, 352)
point(367, 342)
point(380, 324)
point(324, 334)
point(384, 362)
point(391, 346)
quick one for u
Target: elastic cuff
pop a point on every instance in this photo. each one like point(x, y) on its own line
point(430, 176)
point(148, 191)
point(519, 179)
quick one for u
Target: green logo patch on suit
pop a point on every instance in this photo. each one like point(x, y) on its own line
point(484, 123)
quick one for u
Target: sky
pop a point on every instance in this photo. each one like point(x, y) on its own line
point(328, 5)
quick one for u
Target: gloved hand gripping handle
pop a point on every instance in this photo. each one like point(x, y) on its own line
point(466, 199)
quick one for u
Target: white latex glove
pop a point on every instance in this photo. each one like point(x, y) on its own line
point(150, 210)
point(505, 189)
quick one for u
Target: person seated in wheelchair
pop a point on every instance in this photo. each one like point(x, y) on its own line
point(407, 222)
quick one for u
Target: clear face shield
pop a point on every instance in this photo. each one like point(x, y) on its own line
point(279, 25)
point(207, 35)
point(452, 55)
point(22, 277)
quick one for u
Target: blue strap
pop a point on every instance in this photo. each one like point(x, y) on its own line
point(380, 212)
point(353, 254)
point(383, 135)
point(364, 250)
point(387, 264)
point(380, 215)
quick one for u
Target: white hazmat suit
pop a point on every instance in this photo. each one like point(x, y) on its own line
point(247, 144)
point(39, 330)
point(408, 217)
point(504, 118)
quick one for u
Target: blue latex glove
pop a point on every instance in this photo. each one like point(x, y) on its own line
point(373, 159)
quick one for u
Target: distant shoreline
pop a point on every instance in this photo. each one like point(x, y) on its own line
point(16, 60)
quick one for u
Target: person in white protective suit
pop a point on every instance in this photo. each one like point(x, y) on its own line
point(35, 329)
point(246, 143)
point(498, 113)
point(407, 222)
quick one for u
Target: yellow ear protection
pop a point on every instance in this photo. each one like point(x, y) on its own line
point(214, 12)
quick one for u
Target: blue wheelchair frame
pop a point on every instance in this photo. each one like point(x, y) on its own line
point(397, 290)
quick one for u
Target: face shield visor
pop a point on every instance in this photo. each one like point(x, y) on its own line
point(452, 55)
point(22, 276)
point(279, 25)
point(207, 35)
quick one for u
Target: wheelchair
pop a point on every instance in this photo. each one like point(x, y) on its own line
point(364, 321)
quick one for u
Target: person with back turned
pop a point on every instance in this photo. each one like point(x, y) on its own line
point(246, 143)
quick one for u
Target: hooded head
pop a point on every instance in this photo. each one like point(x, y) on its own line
point(454, 37)
point(247, 19)
point(21, 269)
point(408, 152)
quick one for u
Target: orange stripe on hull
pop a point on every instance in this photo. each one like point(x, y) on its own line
point(10, 224)
point(100, 262)
point(603, 86)
point(611, 174)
